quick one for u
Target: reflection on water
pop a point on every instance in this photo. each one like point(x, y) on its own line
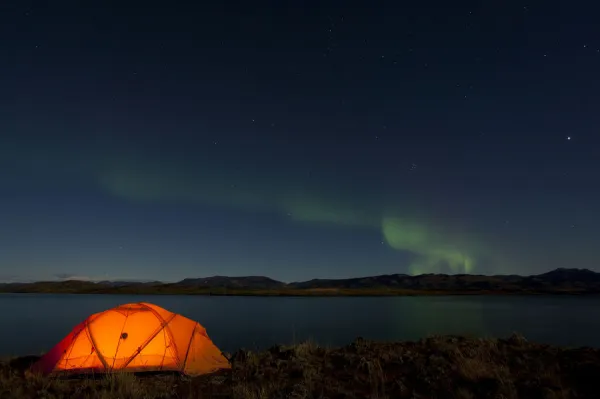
point(32, 323)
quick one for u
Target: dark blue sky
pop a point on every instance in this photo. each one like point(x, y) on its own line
point(156, 140)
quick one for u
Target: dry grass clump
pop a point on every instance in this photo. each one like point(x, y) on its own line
point(436, 367)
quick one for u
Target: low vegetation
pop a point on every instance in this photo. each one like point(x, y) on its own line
point(436, 367)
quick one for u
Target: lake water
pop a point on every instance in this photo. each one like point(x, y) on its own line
point(33, 323)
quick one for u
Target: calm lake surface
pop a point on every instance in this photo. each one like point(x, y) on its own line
point(33, 323)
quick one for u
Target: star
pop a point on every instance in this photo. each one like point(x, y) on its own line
point(568, 138)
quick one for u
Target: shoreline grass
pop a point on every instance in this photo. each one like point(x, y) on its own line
point(436, 367)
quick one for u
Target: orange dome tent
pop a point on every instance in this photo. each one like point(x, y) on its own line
point(134, 337)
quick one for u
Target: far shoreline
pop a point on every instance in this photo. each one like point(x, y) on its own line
point(560, 282)
point(313, 292)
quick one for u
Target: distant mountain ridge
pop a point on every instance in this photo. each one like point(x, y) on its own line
point(559, 281)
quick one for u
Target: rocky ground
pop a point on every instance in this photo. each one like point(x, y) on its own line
point(437, 367)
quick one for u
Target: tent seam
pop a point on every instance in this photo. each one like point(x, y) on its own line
point(172, 338)
point(150, 338)
point(166, 328)
point(187, 352)
point(120, 335)
point(66, 355)
point(91, 336)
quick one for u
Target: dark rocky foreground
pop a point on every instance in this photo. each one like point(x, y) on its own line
point(437, 367)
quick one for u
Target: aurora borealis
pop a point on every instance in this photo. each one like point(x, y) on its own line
point(297, 141)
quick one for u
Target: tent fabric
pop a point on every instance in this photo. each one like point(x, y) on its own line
point(134, 337)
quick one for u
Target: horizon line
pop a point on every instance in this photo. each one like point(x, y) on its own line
point(133, 280)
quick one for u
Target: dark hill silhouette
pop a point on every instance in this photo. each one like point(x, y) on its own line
point(571, 275)
point(559, 281)
point(127, 283)
point(253, 282)
point(556, 279)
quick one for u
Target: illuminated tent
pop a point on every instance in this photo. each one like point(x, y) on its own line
point(134, 337)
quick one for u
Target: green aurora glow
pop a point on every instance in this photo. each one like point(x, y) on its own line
point(434, 248)
point(436, 245)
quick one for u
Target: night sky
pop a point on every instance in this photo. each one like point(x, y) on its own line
point(297, 140)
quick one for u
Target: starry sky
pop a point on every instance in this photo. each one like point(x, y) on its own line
point(297, 140)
